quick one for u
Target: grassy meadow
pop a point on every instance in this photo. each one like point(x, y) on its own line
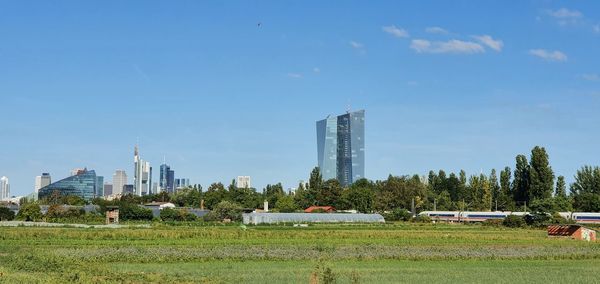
point(382, 253)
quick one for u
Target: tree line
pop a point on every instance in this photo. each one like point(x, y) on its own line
point(531, 185)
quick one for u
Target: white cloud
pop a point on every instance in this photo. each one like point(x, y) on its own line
point(566, 17)
point(564, 13)
point(452, 46)
point(549, 55)
point(596, 28)
point(436, 30)
point(591, 77)
point(395, 31)
point(317, 70)
point(490, 42)
point(356, 45)
point(294, 75)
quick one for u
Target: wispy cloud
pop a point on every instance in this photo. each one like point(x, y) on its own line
point(565, 16)
point(596, 28)
point(356, 45)
point(317, 70)
point(564, 13)
point(294, 75)
point(395, 31)
point(548, 55)
point(452, 46)
point(490, 42)
point(436, 30)
point(591, 77)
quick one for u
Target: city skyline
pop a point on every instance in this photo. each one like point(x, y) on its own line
point(220, 96)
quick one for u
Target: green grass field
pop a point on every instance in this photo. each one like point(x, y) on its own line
point(390, 253)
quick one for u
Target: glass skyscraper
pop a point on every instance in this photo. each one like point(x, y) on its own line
point(341, 147)
point(84, 184)
point(167, 179)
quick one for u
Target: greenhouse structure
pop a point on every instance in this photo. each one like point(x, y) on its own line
point(274, 218)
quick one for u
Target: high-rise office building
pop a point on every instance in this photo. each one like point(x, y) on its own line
point(243, 182)
point(99, 186)
point(119, 181)
point(84, 184)
point(108, 189)
point(182, 183)
point(167, 178)
point(141, 175)
point(341, 147)
point(42, 181)
point(4, 188)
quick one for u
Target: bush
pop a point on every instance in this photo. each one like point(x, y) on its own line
point(135, 212)
point(538, 219)
point(398, 214)
point(30, 212)
point(422, 219)
point(225, 210)
point(6, 214)
point(513, 221)
point(59, 211)
point(169, 214)
point(492, 223)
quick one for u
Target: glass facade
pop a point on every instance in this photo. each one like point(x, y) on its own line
point(341, 147)
point(167, 178)
point(84, 185)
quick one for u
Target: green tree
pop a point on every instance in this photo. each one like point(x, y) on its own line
point(272, 193)
point(6, 214)
point(286, 204)
point(586, 189)
point(495, 187)
point(521, 180)
point(303, 198)
point(315, 184)
point(330, 194)
point(561, 187)
point(505, 198)
point(30, 212)
point(360, 196)
point(541, 175)
point(227, 210)
point(214, 194)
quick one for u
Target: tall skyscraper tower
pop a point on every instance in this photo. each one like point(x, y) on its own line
point(341, 147)
point(119, 181)
point(42, 181)
point(4, 188)
point(167, 178)
point(141, 175)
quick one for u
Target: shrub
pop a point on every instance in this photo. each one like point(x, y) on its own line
point(492, 223)
point(513, 221)
point(6, 214)
point(30, 212)
point(538, 219)
point(226, 210)
point(422, 219)
point(169, 214)
point(135, 212)
point(398, 214)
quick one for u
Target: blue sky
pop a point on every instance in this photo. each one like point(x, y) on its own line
point(445, 84)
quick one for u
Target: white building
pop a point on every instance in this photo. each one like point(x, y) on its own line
point(42, 181)
point(243, 182)
point(4, 188)
point(119, 181)
point(142, 175)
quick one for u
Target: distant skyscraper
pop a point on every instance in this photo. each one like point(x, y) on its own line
point(4, 188)
point(243, 182)
point(99, 186)
point(167, 178)
point(128, 189)
point(108, 189)
point(84, 184)
point(141, 175)
point(42, 181)
point(119, 181)
point(182, 183)
point(341, 147)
